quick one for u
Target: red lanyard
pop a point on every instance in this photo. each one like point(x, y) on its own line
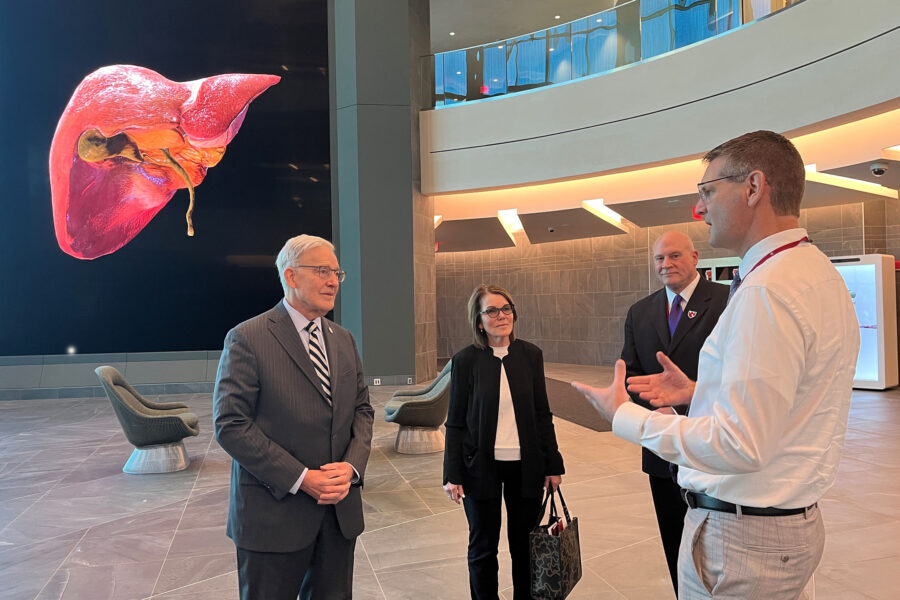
point(774, 252)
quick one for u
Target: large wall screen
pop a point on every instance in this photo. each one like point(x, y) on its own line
point(162, 290)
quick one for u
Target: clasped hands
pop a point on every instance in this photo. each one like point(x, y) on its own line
point(329, 484)
point(669, 388)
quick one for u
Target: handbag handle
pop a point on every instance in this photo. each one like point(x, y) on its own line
point(563, 502)
point(548, 495)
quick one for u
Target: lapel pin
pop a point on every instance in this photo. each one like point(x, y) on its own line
point(692, 314)
point(330, 330)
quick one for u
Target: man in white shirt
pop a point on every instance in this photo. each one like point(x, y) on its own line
point(768, 413)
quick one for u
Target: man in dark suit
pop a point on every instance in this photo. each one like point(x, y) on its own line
point(675, 320)
point(292, 409)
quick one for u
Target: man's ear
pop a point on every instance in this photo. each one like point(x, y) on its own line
point(289, 277)
point(756, 185)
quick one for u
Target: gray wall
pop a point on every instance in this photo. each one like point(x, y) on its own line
point(572, 297)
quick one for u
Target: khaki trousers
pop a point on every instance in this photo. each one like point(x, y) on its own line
point(731, 557)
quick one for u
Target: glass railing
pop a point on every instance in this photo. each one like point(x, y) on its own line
point(625, 34)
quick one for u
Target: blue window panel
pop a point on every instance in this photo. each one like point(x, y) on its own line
point(670, 24)
point(455, 74)
point(728, 15)
point(495, 69)
point(602, 43)
point(579, 48)
point(561, 54)
point(694, 21)
point(438, 74)
point(531, 60)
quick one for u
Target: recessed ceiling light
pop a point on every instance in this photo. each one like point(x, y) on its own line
point(556, 17)
point(452, 33)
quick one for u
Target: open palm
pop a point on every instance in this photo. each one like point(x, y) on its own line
point(669, 388)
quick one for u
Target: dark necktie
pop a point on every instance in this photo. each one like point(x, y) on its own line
point(735, 284)
point(318, 359)
point(674, 314)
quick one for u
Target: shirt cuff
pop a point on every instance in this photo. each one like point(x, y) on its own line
point(628, 422)
point(355, 479)
point(296, 487)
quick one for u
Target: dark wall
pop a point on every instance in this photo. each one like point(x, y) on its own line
point(163, 291)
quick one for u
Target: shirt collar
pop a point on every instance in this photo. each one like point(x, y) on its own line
point(300, 322)
point(758, 250)
point(686, 293)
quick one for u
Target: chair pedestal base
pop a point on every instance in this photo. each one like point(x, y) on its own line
point(163, 458)
point(419, 440)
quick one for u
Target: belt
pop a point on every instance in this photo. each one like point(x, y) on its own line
point(698, 500)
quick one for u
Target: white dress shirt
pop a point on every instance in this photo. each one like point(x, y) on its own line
point(301, 322)
point(685, 294)
point(769, 412)
point(506, 444)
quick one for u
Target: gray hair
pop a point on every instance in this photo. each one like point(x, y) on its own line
point(292, 251)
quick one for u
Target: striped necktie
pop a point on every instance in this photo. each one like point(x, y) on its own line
point(318, 359)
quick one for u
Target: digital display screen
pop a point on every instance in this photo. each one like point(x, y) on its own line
point(261, 177)
point(863, 285)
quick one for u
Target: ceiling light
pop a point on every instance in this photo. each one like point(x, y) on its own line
point(849, 183)
point(510, 220)
point(459, 72)
point(71, 350)
point(556, 17)
point(313, 179)
point(552, 49)
point(601, 211)
point(284, 67)
point(496, 80)
point(452, 33)
point(599, 20)
point(293, 166)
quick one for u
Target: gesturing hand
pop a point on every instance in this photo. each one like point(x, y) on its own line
point(330, 484)
point(669, 388)
point(607, 400)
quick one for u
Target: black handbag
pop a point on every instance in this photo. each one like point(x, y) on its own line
point(555, 553)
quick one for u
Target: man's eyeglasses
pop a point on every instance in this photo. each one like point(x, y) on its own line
point(704, 193)
point(324, 271)
point(494, 312)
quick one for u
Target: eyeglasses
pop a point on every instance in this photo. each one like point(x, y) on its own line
point(324, 272)
point(704, 193)
point(494, 312)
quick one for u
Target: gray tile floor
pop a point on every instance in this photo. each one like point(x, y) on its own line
point(73, 526)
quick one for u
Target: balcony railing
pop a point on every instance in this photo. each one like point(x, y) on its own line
point(625, 34)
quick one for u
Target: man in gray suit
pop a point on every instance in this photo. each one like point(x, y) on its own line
point(292, 409)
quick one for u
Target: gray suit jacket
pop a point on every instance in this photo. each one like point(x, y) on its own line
point(272, 417)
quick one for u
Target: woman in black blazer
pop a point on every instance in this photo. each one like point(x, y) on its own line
point(500, 439)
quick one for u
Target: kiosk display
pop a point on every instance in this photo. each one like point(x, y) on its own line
point(870, 279)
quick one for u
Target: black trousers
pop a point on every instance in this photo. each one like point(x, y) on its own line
point(322, 570)
point(670, 510)
point(484, 535)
